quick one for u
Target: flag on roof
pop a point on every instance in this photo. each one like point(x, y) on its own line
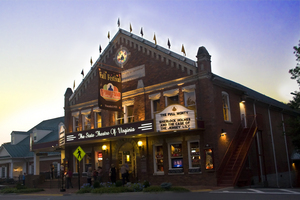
point(91, 61)
point(182, 50)
point(154, 38)
point(74, 85)
point(169, 44)
point(82, 73)
point(108, 35)
point(130, 28)
point(100, 49)
point(142, 31)
point(118, 22)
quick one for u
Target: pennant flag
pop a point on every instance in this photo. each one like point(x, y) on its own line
point(118, 22)
point(154, 38)
point(108, 35)
point(74, 85)
point(82, 73)
point(91, 61)
point(100, 49)
point(182, 50)
point(142, 32)
point(130, 28)
point(169, 44)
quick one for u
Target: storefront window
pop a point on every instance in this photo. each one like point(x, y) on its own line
point(209, 164)
point(194, 156)
point(176, 156)
point(158, 159)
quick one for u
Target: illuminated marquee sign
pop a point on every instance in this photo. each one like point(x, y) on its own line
point(113, 131)
point(175, 117)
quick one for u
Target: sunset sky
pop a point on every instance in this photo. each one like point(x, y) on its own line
point(45, 44)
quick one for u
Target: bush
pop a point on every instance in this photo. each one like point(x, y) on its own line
point(19, 186)
point(15, 190)
point(166, 185)
point(111, 190)
point(136, 187)
point(178, 189)
point(119, 183)
point(146, 184)
point(96, 184)
point(154, 188)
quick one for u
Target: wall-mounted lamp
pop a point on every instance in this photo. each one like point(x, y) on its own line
point(104, 148)
point(223, 132)
point(140, 145)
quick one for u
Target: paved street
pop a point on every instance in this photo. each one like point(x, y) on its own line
point(223, 194)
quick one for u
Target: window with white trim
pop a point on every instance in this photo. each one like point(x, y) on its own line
point(3, 172)
point(127, 115)
point(189, 97)
point(86, 119)
point(97, 117)
point(155, 104)
point(158, 159)
point(75, 121)
point(194, 156)
point(226, 106)
point(171, 97)
point(175, 156)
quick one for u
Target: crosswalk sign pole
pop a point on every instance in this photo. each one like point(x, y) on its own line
point(78, 175)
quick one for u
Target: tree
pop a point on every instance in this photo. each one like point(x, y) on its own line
point(294, 123)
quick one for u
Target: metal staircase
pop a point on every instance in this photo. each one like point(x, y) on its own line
point(233, 162)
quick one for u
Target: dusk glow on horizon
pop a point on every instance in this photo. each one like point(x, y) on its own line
point(46, 44)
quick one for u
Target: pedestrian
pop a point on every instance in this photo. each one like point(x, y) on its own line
point(89, 175)
point(95, 175)
point(23, 178)
point(127, 172)
point(123, 172)
point(113, 173)
point(99, 174)
point(69, 178)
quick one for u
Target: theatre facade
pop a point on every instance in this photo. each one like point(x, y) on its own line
point(172, 120)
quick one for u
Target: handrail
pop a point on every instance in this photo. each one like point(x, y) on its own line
point(243, 148)
point(229, 151)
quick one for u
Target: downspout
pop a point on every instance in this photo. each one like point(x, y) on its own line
point(286, 149)
point(273, 146)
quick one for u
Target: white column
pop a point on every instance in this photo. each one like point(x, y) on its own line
point(36, 162)
point(11, 170)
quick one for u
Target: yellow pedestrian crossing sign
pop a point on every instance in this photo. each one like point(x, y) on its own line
point(79, 153)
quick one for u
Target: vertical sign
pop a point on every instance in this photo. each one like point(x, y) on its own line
point(110, 90)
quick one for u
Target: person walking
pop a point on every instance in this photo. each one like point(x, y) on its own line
point(23, 178)
point(99, 174)
point(69, 179)
point(124, 173)
point(113, 173)
point(89, 175)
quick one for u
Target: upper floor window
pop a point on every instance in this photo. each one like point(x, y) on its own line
point(97, 118)
point(127, 115)
point(155, 104)
point(189, 97)
point(86, 119)
point(226, 106)
point(76, 121)
point(171, 97)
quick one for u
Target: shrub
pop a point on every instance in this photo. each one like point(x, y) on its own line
point(111, 190)
point(96, 184)
point(179, 189)
point(146, 184)
point(154, 188)
point(136, 187)
point(119, 183)
point(166, 185)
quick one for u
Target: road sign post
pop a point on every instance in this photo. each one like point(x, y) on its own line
point(79, 154)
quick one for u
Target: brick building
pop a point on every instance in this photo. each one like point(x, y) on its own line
point(179, 123)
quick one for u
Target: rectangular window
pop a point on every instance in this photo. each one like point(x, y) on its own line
point(176, 159)
point(155, 103)
point(209, 164)
point(129, 114)
point(172, 100)
point(190, 100)
point(3, 174)
point(86, 121)
point(98, 120)
point(194, 156)
point(120, 117)
point(76, 123)
point(226, 106)
point(158, 159)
